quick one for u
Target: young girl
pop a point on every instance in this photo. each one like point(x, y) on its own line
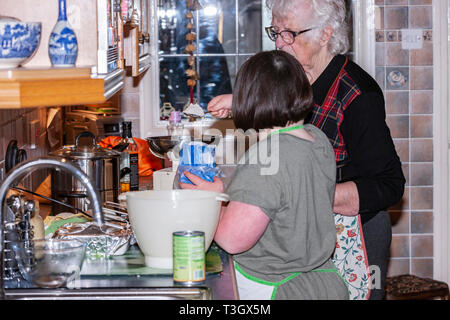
point(279, 226)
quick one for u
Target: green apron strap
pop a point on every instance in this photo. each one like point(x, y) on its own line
point(288, 129)
point(275, 285)
point(267, 283)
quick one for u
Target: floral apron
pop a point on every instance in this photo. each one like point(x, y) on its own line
point(350, 255)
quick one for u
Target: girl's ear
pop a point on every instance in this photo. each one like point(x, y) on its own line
point(327, 33)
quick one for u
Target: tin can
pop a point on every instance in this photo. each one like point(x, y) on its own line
point(189, 257)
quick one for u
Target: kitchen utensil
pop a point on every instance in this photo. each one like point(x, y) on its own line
point(111, 217)
point(11, 269)
point(194, 110)
point(49, 199)
point(161, 146)
point(116, 205)
point(15, 204)
point(14, 53)
point(109, 214)
point(56, 262)
point(14, 155)
point(37, 224)
point(102, 165)
point(154, 216)
point(17, 227)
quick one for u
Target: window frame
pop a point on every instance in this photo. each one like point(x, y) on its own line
point(150, 123)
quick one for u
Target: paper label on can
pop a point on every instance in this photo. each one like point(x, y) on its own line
point(188, 258)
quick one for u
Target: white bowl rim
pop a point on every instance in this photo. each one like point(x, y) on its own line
point(200, 194)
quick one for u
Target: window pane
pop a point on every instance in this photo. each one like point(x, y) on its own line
point(250, 22)
point(214, 78)
point(217, 22)
point(173, 82)
point(172, 26)
point(231, 61)
point(216, 26)
point(242, 59)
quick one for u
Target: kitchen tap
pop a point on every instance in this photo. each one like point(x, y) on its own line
point(27, 167)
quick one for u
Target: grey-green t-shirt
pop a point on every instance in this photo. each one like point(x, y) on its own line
point(297, 198)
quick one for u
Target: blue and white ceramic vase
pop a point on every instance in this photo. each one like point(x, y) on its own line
point(63, 45)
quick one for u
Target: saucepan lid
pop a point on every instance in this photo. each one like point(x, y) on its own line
point(85, 152)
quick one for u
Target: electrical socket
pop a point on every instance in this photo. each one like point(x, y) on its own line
point(412, 39)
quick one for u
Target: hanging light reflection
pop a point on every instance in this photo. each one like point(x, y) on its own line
point(210, 11)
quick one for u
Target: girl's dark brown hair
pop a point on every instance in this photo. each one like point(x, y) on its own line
point(271, 90)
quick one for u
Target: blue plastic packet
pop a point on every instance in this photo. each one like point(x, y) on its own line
point(200, 159)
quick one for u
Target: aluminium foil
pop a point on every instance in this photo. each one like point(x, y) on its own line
point(101, 243)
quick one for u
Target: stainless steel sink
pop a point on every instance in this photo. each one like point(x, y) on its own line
point(169, 293)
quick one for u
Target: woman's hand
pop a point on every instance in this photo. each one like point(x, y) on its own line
point(220, 106)
point(346, 199)
point(200, 184)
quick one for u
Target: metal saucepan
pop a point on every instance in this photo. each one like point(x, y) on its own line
point(102, 165)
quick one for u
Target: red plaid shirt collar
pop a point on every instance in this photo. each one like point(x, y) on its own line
point(333, 93)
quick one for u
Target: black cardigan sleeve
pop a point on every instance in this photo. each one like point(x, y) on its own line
point(374, 164)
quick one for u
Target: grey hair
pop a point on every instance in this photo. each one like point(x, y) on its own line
point(332, 13)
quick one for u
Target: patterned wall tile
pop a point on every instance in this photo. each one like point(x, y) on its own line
point(406, 77)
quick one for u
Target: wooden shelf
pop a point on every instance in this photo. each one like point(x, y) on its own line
point(32, 87)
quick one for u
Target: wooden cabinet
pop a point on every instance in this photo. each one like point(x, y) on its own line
point(35, 87)
point(137, 38)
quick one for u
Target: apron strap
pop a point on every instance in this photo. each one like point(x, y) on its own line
point(276, 285)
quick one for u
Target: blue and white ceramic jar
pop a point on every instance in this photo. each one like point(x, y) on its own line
point(63, 45)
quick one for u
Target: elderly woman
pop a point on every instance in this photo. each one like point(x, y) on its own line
point(279, 225)
point(349, 108)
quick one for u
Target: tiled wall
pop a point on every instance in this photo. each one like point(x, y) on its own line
point(407, 79)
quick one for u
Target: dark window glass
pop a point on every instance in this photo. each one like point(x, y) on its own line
point(222, 37)
point(228, 32)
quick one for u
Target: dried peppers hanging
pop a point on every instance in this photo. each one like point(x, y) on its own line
point(191, 73)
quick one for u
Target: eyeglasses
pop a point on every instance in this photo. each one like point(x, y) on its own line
point(288, 36)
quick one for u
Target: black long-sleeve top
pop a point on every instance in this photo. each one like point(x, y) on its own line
point(373, 161)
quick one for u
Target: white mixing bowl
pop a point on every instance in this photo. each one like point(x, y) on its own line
point(156, 214)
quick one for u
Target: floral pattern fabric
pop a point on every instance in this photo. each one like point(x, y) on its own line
point(350, 256)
